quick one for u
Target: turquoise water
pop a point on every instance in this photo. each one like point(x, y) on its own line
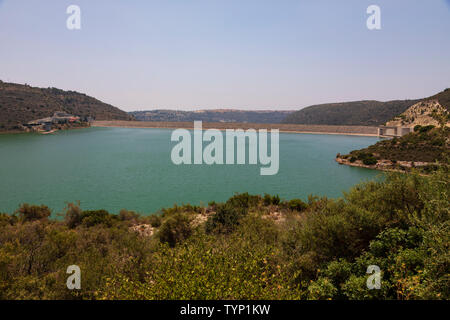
point(115, 168)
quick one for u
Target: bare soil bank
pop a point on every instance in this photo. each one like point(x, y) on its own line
point(298, 128)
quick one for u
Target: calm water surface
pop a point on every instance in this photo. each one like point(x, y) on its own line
point(115, 168)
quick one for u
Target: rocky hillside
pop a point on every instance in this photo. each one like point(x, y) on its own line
point(427, 112)
point(363, 113)
point(218, 115)
point(443, 98)
point(22, 103)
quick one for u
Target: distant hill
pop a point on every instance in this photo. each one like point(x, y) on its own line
point(218, 115)
point(363, 113)
point(22, 103)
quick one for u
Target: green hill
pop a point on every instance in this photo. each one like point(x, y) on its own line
point(22, 103)
point(366, 113)
point(422, 148)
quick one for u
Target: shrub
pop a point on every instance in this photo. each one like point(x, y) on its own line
point(338, 271)
point(6, 219)
point(125, 215)
point(207, 268)
point(243, 201)
point(175, 229)
point(154, 220)
point(366, 158)
point(296, 205)
point(355, 288)
point(276, 200)
point(426, 128)
point(322, 289)
point(91, 218)
point(29, 213)
point(226, 219)
point(73, 215)
point(370, 161)
point(394, 141)
point(268, 200)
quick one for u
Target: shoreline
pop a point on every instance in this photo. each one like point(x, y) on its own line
point(285, 128)
point(386, 165)
point(42, 132)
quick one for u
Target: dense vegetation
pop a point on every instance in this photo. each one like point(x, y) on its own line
point(250, 247)
point(364, 113)
point(220, 115)
point(425, 144)
point(20, 104)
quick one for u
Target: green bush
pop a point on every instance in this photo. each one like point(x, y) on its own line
point(154, 220)
point(29, 213)
point(243, 201)
point(7, 220)
point(271, 200)
point(226, 219)
point(175, 229)
point(370, 161)
point(424, 128)
point(73, 215)
point(126, 215)
point(296, 205)
point(322, 289)
point(276, 200)
point(91, 218)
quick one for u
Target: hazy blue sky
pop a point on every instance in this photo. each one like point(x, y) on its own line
point(250, 54)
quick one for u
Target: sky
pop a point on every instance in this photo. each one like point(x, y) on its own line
point(242, 54)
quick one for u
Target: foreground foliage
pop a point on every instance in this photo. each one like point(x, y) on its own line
point(250, 247)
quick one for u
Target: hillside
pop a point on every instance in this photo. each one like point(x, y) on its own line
point(218, 115)
point(426, 112)
point(421, 148)
point(22, 103)
point(422, 113)
point(443, 98)
point(364, 113)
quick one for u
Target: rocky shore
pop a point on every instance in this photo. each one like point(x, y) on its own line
point(384, 165)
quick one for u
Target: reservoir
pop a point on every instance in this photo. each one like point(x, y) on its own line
point(115, 168)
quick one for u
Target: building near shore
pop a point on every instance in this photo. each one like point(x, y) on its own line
point(63, 117)
point(47, 124)
point(394, 131)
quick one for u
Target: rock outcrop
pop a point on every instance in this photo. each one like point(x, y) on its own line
point(421, 113)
